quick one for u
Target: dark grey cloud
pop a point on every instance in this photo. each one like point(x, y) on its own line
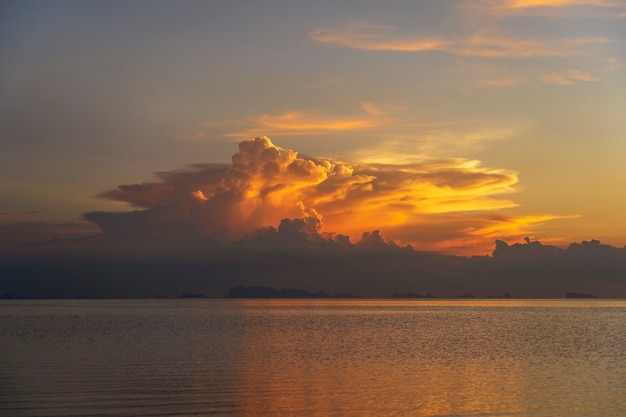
point(211, 227)
point(297, 255)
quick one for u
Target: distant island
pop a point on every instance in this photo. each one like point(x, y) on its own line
point(579, 295)
point(411, 295)
point(269, 292)
point(241, 291)
point(192, 295)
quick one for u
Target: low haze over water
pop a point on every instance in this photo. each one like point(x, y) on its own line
point(312, 358)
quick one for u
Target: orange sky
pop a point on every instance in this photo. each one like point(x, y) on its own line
point(443, 124)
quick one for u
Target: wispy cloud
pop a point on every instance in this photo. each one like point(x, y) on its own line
point(370, 118)
point(21, 237)
point(567, 77)
point(613, 63)
point(18, 213)
point(501, 82)
point(302, 123)
point(549, 8)
point(372, 109)
point(526, 4)
point(486, 45)
point(438, 141)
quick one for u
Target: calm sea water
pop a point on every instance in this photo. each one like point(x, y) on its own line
point(312, 358)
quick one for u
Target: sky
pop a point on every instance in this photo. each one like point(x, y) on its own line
point(445, 125)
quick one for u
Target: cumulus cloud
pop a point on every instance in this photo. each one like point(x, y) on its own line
point(265, 184)
point(260, 187)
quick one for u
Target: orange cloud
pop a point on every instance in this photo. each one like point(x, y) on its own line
point(299, 122)
point(469, 233)
point(371, 118)
point(199, 195)
point(264, 185)
point(501, 82)
point(487, 45)
point(523, 4)
point(567, 77)
point(613, 62)
point(440, 140)
point(549, 8)
point(539, 3)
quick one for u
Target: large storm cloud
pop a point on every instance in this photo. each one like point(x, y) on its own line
point(265, 184)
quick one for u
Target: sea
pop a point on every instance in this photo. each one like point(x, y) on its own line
point(245, 357)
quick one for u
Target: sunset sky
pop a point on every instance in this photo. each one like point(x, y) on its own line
point(443, 124)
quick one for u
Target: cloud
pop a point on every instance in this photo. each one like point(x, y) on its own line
point(296, 122)
point(24, 237)
point(522, 4)
point(480, 44)
point(297, 255)
point(372, 117)
point(468, 233)
point(262, 186)
point(530, 4)
point(501, 82)
point(613, 62)
point(301, 123)
point(458, 138)
point(549, 8)
point(265, 185)
point(567, 77)
point(372, 109)
point(19, 213)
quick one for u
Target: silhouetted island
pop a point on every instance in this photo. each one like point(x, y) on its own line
point(466, 295)
point(505, 295)
point(188, 295)
point(268, 292)
point(579, 295)
point(411, 295)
